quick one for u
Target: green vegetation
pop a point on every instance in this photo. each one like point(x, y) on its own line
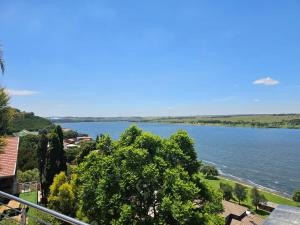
point(258, 121)
point(28, 176)
point(52, 159)
point(27, 157)
point(5, 112)
point(29, 196)
point(209, 171)
point(268, 195)
point(139, 179)
point(257, 198)
point(240, 192)
point(227, 191)
point(62, 194)
point(296, 196)
point(27, 121)
point(70, 134)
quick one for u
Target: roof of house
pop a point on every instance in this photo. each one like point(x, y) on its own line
point(9, 156)
point(232, 208)
point(284, 215)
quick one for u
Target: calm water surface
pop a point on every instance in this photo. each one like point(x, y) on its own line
point(266, 157)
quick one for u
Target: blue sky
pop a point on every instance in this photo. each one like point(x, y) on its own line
point(150, 58)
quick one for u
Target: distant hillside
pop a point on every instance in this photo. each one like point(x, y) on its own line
point(94, 119)
point(257, 121)
point(253, 120)
point(27, 121)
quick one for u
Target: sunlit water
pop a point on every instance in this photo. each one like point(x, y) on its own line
point(266, 157)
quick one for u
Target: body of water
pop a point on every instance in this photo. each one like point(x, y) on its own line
point(266, 157)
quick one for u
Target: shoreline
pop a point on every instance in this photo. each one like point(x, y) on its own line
point(259, 187)
point(185, 123)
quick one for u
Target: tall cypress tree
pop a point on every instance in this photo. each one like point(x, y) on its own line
point(41, 154)
point(52, 161)
point(55, 158)
point(61, 155)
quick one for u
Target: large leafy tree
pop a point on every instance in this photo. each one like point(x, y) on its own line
point(240, 192)
point(257, 197)
point(227, 191)
point(146, 180)
point(27, 156)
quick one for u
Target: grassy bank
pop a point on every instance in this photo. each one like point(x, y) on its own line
point(272, 197)
point(258, 121)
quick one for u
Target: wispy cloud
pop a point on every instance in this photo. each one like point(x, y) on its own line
point(13, 92)
point(266, 81)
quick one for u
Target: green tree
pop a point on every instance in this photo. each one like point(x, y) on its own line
point(85, 149)
point(61, 155)
point(186, 144)
point(28, 176)
point(62, 197)
point(70, 134)
point(257, 197)
point(105, 143)
point(55, 162)
point(240, 192)
point(27, 157)
point(72, 154)
point(41, 157)
point(209, 171)
point(227, 191)
point(296, 196)
point(129, 136)
point(144, 180)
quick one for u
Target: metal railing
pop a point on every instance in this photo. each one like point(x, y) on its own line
point(23, 214)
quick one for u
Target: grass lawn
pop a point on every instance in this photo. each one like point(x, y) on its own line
point(269, 196)
point(29, 196)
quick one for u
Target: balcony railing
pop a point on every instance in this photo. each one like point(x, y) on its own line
point(21, 215)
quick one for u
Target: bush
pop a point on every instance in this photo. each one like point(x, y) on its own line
point(209, 171)
point(296, 196)
point(28, 176)
point(227, 191)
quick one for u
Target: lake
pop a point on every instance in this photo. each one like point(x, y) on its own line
point(266, 157)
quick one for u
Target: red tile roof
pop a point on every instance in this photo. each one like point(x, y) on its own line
point(9, 156)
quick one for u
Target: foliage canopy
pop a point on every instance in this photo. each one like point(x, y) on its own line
point(144, 179)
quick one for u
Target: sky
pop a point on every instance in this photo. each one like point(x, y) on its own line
point(151, 58)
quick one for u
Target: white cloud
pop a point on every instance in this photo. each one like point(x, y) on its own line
point(13, 92)
point(266, 81)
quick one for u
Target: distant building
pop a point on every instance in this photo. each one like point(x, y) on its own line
point(284, 215)
point(235, 214)
point(24, 133)
point(84, 138)
point(8, 164)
